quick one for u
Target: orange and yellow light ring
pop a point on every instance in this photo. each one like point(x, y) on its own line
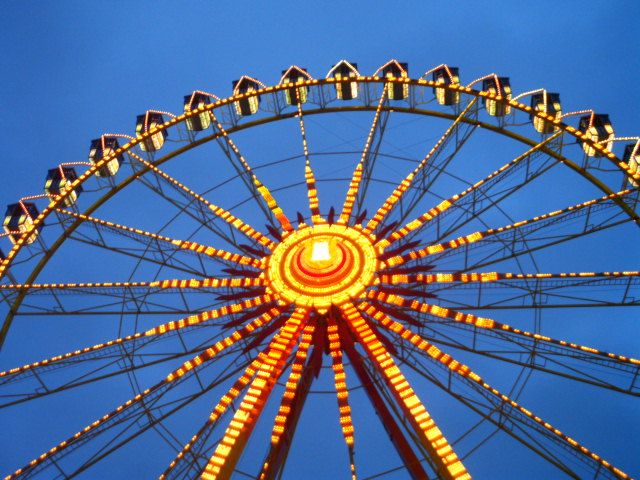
point(295, 277)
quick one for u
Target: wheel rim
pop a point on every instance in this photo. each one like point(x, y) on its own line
point(391, 306)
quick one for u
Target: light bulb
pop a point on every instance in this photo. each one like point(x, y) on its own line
point(320, 252)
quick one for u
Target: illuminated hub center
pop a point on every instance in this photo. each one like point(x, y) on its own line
point(322, 265)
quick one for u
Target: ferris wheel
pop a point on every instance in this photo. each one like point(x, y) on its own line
point(379, 240)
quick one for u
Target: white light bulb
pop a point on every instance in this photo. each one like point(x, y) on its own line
point(320, 252)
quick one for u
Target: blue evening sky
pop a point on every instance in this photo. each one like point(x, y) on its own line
point(72, 70)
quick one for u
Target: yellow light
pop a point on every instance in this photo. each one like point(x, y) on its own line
point(322, 265)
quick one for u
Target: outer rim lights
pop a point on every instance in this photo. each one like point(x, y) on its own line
point(322, 265)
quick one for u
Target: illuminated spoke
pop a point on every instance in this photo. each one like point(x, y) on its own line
point(229, 449)
point(88, 353)
point(182, 244)
point(524, 352)
point(493, 290)
point(407, 182)
point(262, 190)
point(151, 298)
point(342, 392)
point(448, 464)
point(174, 325)
point(490, 324)
point(217, 211)
point(436, 354)
point(186, 205)
point(210, 315)
point(375, 293)
point(475, 193)
point(124, 302)
point(292, 383)
point(394, 425)
point(310, 179)
point(516, 229)
point(110, 352)
point(191, 450)
point(539, 343)
point(289, 398)
point(159, 284)
point(356, 179)
point(438, 165)
point(139, 247)
point(134, 408)
point(278, 453)
point(487, 277)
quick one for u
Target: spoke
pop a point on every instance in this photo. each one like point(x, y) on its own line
point(567, 364)
point(127, 301)
point(310, 179)
point(453, 201)
point(538, 343)
point(155, 297)
point(141, 401)
point(108, 348)
point(356, 179)
point(210, 315)
point(140, 248)
point(517, 290)
point(278, 454)
point(433, 170)
point(482, 277)
point(406, 183)
point(262, 190)
point(410, 461)
point(464, 371)
point(369, 165)
point(113, 351)
point(152, 416)
point(13, 373)
point(185, 204)
point(488, 323)
point(183, 244)
point(199, 439)
point(289, 396)
point(342, 392)
point(487, 196)
point(160, 284)
point(448, 464)
point(229, 449)
point(535, 223)
point(292, 383)
point(487, 406)
point(218, 211)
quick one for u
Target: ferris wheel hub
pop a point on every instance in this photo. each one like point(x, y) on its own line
point(322, 265)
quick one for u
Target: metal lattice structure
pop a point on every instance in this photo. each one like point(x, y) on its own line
point(254, 313)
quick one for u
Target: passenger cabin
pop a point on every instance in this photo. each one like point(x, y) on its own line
point(447, 76)
point(395, 69)
point(548, 103)
point(343, 71)
point(497, 86)
point(631, 157)
point(57, 181)
point(246, 106)
point(105, 147)
point(295, 95)
point(149, 122)
point(202, 120)
point(599, 129)
point(19, 219)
